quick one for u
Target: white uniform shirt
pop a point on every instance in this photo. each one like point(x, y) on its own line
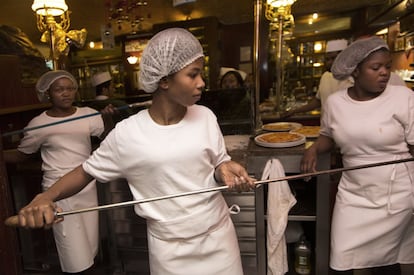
point(372, 223)
point(159, 160)
point(63, 146)
point(329, 85)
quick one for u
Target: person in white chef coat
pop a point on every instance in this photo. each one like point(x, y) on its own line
point(105, 89)
point(327, 84)
point(372, 121)
point(63, 147)
point(175, 146)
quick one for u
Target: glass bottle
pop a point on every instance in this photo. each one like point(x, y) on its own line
point(302, 256)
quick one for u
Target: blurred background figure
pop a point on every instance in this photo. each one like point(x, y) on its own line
point(231, 78)
point(63, 147)
point(104, 88)
point(327, 84)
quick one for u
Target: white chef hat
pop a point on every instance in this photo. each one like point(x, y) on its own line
point(347, 61)
point(166, 53)
point(336, 45)
point(224, 70)
point(100, 78)
point(46, 80)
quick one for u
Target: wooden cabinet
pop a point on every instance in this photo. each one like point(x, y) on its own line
point(84, 64)
point(123, 232)
point(308, 65)
point(10, 261)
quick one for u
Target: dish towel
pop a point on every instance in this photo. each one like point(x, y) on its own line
point(279, 201)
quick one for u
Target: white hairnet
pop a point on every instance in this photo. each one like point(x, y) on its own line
point(346, 62)
point(47, 79)
point(167, 52)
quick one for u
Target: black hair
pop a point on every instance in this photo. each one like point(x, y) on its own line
point(99, 88)
point(236, 74)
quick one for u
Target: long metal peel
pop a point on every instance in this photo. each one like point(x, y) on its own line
point(27, 129)
point(14, 222)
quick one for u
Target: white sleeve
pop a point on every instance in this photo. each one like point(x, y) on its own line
point(103, 164)
point(96, 125)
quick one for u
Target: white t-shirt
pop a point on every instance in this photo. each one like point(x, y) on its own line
point(328, 85)
point(63, 146)
point(368, 132)
point(157, 160)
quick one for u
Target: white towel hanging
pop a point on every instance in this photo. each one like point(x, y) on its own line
point(279, 201)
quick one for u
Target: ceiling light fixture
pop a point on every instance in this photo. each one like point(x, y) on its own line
point(280, 3)
point(123, 12)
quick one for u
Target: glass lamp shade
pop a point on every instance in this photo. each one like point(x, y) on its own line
point(280, 3)
point(132, 59)
point(49, 7)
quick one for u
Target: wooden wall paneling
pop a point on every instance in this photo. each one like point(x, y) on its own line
point(233, 37)
point(14, 92)
point(10, 262)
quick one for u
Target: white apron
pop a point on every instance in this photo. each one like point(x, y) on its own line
point(77, 236)
point(373, 222)
point(201, 243)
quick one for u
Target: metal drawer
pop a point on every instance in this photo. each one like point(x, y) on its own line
point(245, 230)
point(241, 199)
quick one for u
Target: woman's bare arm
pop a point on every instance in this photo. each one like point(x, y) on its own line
point(40, 212)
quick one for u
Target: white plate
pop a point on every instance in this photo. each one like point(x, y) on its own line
point(281, 126)
point(311, 134)
point(259, 141)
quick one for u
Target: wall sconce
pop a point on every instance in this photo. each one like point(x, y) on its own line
point(52, 17)
point(47, 11)
point(279, 12)
point(132, 59)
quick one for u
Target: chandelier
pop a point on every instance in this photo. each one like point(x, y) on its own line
point(121, 12)
point(278, 12)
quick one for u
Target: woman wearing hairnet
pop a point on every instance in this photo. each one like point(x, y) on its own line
point(373, 121)
point(63, 147)
point(175, 146)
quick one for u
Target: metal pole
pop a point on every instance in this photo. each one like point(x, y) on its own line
point(256, 64)
point(138, 104)
point(279, 43)
point(13, 221)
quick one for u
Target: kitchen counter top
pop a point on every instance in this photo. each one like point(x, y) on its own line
point(310, 118)
point(246, 147)
point(254, 149)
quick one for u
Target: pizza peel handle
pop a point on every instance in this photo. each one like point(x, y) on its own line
point(12, 221)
